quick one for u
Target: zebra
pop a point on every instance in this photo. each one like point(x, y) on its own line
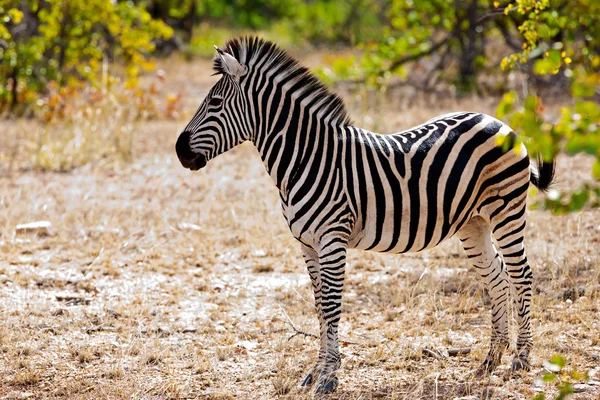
point(463, 174)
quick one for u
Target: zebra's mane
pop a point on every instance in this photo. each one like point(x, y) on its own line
point(252, 51)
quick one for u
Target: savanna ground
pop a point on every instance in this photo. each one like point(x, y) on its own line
point(156, 283)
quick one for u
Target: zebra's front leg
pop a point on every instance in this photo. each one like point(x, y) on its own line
point(332, 262)
point(311, 258)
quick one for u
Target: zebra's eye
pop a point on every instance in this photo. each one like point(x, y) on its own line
point(215, 102)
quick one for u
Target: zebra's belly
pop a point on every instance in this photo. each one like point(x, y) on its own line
point(396, 235)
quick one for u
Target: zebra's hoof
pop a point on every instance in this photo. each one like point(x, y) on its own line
point(308, 381)
point(486, 368)
point(328, 385)
point(520, 364)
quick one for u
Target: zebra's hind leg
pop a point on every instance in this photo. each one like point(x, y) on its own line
point(509, 234)
point(476, 238)
point(312, 263)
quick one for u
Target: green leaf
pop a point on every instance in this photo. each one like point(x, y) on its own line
point(549, 377)
point(558, 360)
point(564, 390)
point(582, 89)
point(578, 200)
point(506, 105)
point(596, 169)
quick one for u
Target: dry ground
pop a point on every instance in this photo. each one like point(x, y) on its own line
point(159, 283)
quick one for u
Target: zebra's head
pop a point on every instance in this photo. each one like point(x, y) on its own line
point(221, 121)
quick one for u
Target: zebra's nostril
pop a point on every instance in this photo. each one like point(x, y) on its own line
point(182, 147)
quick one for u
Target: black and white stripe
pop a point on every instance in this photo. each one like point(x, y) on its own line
point(344, 187)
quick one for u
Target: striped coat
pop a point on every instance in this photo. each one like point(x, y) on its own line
point(462, 174)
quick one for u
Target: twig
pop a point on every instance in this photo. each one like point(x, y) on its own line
point(296, 330)
point(308, 334)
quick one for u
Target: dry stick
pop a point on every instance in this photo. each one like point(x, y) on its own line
point(433, 353)
point(459, 351)
point(307, 334)
point(296, 330)
point(451, 352)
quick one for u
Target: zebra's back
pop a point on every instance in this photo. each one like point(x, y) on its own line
point(413, 189)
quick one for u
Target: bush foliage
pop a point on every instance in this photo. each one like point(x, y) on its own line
point(67, 42)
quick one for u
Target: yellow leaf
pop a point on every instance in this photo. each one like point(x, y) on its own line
point(518, 149)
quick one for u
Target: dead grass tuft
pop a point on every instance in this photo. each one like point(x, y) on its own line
point(262, 268)
point(26, 376)
point(83, 354)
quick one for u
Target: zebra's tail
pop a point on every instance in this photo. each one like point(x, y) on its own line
point(543, 176)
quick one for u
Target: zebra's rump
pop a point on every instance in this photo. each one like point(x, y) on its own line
point(413, 189)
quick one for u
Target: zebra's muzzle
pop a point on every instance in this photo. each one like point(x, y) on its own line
point(187, 157)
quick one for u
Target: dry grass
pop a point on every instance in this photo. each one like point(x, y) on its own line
point(159, 283)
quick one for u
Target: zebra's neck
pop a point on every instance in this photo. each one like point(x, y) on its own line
point(291, 123)
point(287, 139)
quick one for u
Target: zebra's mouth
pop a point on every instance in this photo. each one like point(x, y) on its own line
point(187, 157)
point(194, 164)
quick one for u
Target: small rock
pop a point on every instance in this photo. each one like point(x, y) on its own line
point(259, 253)
point(73, 300)
point(40, 228)
point(186, 226)
point(581, 387)
point(113, 313)
point(247, 344)
point(59, 311)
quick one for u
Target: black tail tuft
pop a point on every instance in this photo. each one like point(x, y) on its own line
point(545, 175)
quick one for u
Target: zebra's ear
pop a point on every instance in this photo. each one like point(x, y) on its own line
point(231, 66)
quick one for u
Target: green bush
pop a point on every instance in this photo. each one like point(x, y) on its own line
point(69, 42)
point(560, 37)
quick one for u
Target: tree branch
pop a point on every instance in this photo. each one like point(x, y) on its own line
point(416, 56)
point(494, 14)
point(508, 38)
